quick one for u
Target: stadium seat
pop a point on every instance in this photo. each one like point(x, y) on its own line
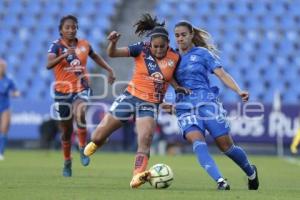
point(20, 34)
point(258, 40)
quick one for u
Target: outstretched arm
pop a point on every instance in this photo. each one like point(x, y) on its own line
point(229, 82)
point(101, 62)
point(112, 49)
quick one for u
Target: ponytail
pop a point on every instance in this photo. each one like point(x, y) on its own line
point(151, 26)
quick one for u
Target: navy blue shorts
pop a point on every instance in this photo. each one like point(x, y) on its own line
point(63, 102)
point(126, 107)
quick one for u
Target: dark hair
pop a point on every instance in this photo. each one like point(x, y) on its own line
point(65, 18)
point(201, 37)
point(151, 26)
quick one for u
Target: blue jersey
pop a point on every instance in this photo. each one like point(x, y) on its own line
point(193, 72)
point(6, 86)
point(209, 114)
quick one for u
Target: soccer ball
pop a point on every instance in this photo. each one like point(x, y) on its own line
point(161, 176)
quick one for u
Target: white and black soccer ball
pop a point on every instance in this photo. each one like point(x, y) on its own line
point(161, 176)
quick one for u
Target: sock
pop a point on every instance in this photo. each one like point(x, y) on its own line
point(3, 141)
point(238, 155)
point(205, 160)
point(66, 146)
point(141, 162)
point(81, 135)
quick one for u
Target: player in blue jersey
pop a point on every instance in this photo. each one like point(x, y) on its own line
point(7, 88)
point(201, 110)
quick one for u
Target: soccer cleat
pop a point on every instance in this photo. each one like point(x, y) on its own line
point(223, 184)
point(1, 157)
point(139, 179)
point(90, 149)
point(253, 184)
point(85, 160)
point(67, 170)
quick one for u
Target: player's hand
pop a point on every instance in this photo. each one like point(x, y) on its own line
point(114, 36)
point(244, 95)
point(111, 77)
point(183, 90)
point(168, 108)
point(71, 50)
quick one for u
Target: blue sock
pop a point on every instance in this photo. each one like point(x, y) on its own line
point(3, 141)
point(205, 160)
point(238, 155)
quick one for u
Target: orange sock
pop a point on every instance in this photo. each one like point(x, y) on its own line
point(81, 134)
point(66, 146)
point(141, 162)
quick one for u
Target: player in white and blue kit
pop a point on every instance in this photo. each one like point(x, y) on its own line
point(7, 88)
point(201, 110)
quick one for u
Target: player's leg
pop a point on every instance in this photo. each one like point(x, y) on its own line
point(100, 135)
point(192, 128)
point(218, 126)
point(145, 129)
point(196, 138)
point(295, 142)
point(66, 127)
point(79, 111)
point(120, 111)
point(67, 130)
point(4, 126)
point(239, 156)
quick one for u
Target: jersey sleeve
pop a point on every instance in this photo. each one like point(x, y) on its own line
point(91, 51)
point(212, 62)
point(54, 48)
point(135, 49)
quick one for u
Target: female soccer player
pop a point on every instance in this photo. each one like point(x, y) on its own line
point(155, 63)
point(7, 88)
point(68, 56)
point(201, 109)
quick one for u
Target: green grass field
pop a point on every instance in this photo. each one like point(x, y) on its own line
point(36, 175)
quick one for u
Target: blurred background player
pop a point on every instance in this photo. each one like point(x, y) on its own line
point(201, 110)
point(155, 63)
point(7, 88)
point(296, 140)
point(68, 56)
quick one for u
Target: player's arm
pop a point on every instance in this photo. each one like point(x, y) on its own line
point(101, 62)
point(178, 88)
point(229, 82)
point(54, 60)
point(112, 49)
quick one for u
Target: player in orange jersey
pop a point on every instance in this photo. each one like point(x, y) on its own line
point(68, 56)
point(155, 63)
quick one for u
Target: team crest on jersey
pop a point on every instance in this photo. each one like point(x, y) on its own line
point(82, 49)
point(75, 63)
point(157, 75)
point(193, 58)
point(171, 63)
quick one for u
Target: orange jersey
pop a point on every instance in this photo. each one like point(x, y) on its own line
point(71, 73)
point(151, 76)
